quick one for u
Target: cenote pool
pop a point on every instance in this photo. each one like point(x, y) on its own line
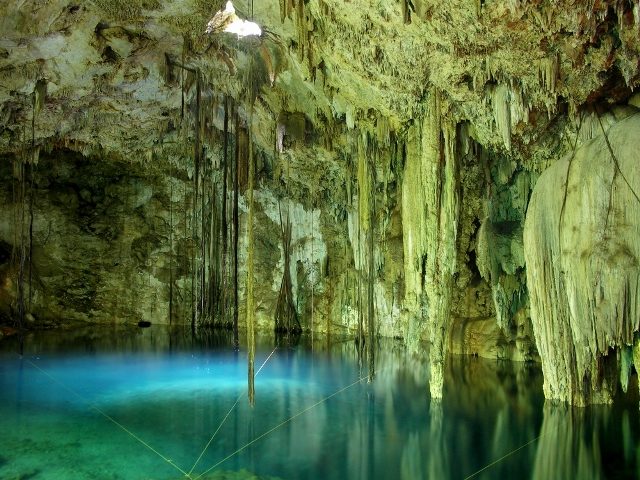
point(144, 404)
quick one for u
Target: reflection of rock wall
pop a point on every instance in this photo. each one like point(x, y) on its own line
point(567, 448)
point(441, 446)
point(582, 254)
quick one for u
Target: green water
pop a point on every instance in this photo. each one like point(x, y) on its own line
point(143, 404)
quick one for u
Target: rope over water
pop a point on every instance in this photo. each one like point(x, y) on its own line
point(111, 419)
point(273, 429)
point(189, 474)
point(225, 417)
point(495, 462)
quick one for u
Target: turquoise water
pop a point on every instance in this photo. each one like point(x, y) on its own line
point(143, 404)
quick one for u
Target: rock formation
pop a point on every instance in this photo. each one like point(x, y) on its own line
point(582, 263)
point(402, 138)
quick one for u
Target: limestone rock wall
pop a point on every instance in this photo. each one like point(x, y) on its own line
point(581, 249)
point(430, 228)
point(500, 252)
point(402, 138)
point(97, 239)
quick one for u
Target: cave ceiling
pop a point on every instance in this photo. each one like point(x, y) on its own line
point(108, 76)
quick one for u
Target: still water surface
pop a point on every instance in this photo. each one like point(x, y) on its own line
point(144, 404)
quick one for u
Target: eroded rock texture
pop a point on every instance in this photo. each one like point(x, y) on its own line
point(402, 139)
point(581, 245)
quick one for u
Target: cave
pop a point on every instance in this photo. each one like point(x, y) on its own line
point(319, 239)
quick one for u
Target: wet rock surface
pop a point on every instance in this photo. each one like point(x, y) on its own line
point(403, 140)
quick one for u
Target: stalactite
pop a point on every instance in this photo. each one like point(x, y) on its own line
point(441, 264)
point(429, 218)
point(185, 223)
point(617, 169)
point(501, 101)
point(194, 205)
point(39, 94)
point(204, 243)
point(210, 243)
point(211, 229)
point(286, 318)
point(235, 225)
point(406, 11)
point(626, 365)
point(304, 43)
point(509, 109)
point(568, 176)
point(222, 309)
point(20, 241)
point(195, 234)
point(171, 243)
point(582, 279)
point(549, 72)
point(413, 229)
point(302, 29)
point(364, 183)
point(371, 178)
point(365, 239)
point(23, 200)
point(250, 301)
point(313, 278)
point(636, 353)
point(182, 75)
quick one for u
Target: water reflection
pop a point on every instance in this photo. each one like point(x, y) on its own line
point(488, 410)
point(591, 443)
point(569, 445)
point(119, 338)
point(312, 418)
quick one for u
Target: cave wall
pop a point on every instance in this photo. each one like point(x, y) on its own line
point(99, 239)
point(582, 264)
point(402, 139)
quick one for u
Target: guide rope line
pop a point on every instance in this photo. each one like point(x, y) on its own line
point(265, 362)
point(615, 159)
point(566, 181)
point(108, 417)
point(225, 418)
point(284, 422)
point(486, 467)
